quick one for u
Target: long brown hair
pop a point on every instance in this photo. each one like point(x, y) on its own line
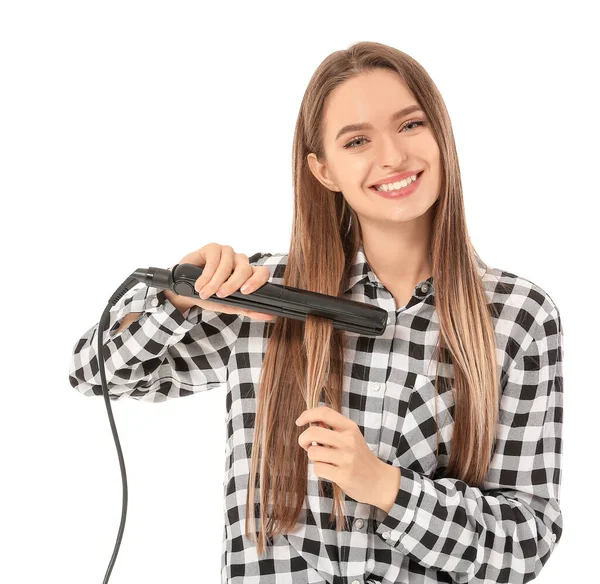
point(303, 363)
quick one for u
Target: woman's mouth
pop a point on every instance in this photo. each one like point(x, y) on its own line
point(401, 192)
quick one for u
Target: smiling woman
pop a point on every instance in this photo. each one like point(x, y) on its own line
point(430, 453)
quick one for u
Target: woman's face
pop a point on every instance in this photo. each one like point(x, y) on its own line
point(357, 158)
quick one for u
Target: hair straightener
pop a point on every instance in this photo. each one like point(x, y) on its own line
point(285, 301)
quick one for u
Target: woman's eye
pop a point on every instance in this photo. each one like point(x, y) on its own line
point(417, 122)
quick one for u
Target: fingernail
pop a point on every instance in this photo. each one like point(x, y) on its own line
point(220, 292)
point(245, 288)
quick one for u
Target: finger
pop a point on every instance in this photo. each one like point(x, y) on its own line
point(245, 278)
point(323, 454)
point(261, 315)
point(217, 307)
point(220, 264)
point(208, 258)
point(317, 436)
point(259, 278)
point(332, 418)
point(242, 272)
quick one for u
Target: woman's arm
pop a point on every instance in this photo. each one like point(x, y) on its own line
point(506, 531)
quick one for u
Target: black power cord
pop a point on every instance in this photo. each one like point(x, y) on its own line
point(102, 326)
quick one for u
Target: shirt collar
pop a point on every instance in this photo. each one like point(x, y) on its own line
point(361, 272)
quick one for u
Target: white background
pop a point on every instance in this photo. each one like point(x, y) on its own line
point(135, 132)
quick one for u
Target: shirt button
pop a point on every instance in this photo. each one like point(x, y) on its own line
point(154, 302)
point(376, 386)
point(356, 582)
point(358, 523)
point(385, 535)
point(424, 288)
point(553, 538)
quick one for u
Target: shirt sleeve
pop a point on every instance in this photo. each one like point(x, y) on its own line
point(163, 354)
point(506, 530)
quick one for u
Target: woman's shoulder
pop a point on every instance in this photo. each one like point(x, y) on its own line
point(518, 292)
point(523, 310)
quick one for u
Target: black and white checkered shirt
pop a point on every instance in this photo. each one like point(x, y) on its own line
point(439, 529)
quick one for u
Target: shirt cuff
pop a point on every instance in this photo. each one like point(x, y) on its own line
point(393, 525)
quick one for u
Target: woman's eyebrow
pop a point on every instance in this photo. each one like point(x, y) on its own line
point(354, 127)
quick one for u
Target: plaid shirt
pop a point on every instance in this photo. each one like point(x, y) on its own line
point(438, 529)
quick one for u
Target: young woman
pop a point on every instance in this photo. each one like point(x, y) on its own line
point(431, 453)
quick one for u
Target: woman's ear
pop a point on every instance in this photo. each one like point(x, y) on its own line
point(319, 170)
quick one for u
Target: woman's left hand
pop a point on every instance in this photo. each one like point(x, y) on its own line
point(342, 455)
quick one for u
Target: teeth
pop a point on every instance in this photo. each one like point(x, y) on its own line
point(397, 185)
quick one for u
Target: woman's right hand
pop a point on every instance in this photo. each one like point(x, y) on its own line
point(219, 261)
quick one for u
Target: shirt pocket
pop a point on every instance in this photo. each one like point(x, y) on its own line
point(420, 433)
